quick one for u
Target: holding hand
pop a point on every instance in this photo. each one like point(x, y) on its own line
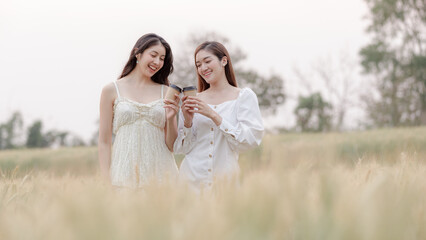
point(187, 115)
point(172, 107)
point(193, 105)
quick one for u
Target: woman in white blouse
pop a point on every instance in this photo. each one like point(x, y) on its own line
point(218, 123)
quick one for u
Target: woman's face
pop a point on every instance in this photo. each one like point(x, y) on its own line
point(151, 60)
point(209, 66)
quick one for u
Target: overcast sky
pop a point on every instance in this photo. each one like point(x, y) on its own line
point(55, 56)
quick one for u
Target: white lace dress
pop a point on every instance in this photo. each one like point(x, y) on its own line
point(139, 152)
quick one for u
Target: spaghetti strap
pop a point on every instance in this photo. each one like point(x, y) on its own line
point(116, 88)
point(162, 87)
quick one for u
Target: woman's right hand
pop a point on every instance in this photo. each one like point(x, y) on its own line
point(189, 116)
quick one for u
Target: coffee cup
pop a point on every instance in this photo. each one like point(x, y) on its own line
point(171, 91)
point(190, 91)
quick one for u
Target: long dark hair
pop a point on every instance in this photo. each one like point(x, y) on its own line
point(219, 51)
point(144, 42)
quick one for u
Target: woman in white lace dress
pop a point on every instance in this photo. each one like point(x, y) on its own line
point(144, 124)
point(221, 121)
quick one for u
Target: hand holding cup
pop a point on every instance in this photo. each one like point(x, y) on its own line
point(172, 101)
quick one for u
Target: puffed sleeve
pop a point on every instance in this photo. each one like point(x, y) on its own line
point(248, 132)
point(186, 138)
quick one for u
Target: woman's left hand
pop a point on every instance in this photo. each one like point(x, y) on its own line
point(172, 107)
point(197, 105)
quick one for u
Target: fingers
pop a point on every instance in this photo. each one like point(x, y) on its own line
point(168, 101)
point(190, 106)
point(184, 104)
point(193, 105)
point(177, 98)
point(174, 102)
point(171, 103)
point(192, 102)
point(191, 98)
point(195, 99)
point(189, 110)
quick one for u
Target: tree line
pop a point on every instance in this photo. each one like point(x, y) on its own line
point(13, 135)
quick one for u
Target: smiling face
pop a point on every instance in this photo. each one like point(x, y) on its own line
point(151, 60)
point(209, 66)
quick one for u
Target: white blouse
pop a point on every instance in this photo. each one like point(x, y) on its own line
point(211, 151)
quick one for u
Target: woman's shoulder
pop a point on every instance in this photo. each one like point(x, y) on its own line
point(247, 97)
point(109, 90)
point(247, 92)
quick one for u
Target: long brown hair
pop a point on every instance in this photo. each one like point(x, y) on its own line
point(219, 51)
point(144, 42)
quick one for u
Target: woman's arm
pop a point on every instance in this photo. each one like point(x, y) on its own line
point(105, 128)
point(248, 131)
point(170, 130)
point(187, 133)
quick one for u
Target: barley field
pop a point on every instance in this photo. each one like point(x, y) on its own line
point(356, 185)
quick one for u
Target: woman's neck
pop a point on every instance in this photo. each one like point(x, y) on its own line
point(137, 78)
point(220, 85)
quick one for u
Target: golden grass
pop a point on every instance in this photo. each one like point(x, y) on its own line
point(364, 185)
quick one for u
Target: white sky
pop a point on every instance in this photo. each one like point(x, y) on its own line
point(55, 56)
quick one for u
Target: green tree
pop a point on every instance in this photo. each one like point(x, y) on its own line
point(49, 138)
point(35, 137)
point(10, 131)
point(396, 60)
point(62, 137)
point(335, 76)
point(269, 90)
point(313, 113)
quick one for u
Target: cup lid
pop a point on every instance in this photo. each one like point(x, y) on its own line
point(189, 88)
point(176, 87)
